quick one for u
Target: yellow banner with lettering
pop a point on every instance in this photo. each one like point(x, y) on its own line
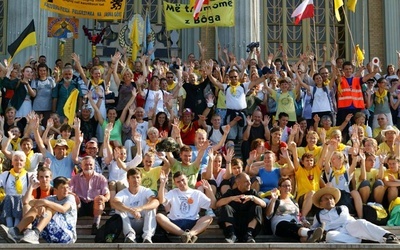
point(217, 13)
point(91, 9)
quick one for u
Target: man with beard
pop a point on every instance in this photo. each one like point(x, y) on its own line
point(63, 90)
point(91, 192)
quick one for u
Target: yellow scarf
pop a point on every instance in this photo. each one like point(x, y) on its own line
point(15, 144)
point(171, 87)
point(152, 144)
point(18, 181)
point(183, 128)
point(98, 83)
point(28, 159)
point(233, 87)
point(380, 98)
point(341, 147)
point(337, 173)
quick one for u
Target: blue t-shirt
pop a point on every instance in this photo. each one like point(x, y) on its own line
point(269, 179)
point(62, 167)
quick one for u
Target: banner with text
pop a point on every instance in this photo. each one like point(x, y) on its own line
point(91, 9)
point(217, 13)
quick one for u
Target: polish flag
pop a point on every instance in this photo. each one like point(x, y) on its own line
point(197, 7)
point(303, 11)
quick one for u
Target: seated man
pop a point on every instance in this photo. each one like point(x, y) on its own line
point(40, 187)
point(54, 218)
point(241, 211)
point(340, 226)
point(136, 205)
point(185, 203)
point(91, 192)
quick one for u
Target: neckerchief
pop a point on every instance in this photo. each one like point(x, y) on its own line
point(18, 181)
point(233, 87)
point(171, 87)
point(380, 97)
point(184, 128)
point(28, 160)
point(339, 172)
point(15, 144)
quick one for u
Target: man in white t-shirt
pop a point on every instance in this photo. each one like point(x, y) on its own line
point(136, 205)
point(184, 204)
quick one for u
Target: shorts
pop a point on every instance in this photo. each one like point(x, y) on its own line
point(184, 224)
point(58, 230)
point(86, 209)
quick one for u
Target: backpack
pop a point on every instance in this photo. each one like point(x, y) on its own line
point(298, 104)
point(375, 213)
point(110, 231)
point(317, 216)
point(212, 130)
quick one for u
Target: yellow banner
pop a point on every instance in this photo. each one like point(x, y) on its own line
point(217, 13)
point(91, 9)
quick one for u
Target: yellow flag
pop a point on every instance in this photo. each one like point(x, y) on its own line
point(351, 4)
point(337, 5)
point(135, 39)
point(359, 55)
point(70, 106)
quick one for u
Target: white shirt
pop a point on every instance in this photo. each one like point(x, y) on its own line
point(187, 204)
point(237, 101)
point(134, 200)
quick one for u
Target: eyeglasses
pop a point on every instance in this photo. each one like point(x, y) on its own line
point(169, 77)
point(381, 119)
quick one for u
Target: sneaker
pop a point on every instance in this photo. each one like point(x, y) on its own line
point(30, 236)
point(130, 238)
point(95, 227)
point(8, 234)
point(392, 239)
point(210, 212)
point(147, 240)
point(316, 236)
point(231, 239)
point(250, 239)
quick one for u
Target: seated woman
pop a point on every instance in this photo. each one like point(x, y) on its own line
point(283, 211)
point(359, 119)
point(269, 174)
point(214, 173)
point(15, 183)
point(369, 180)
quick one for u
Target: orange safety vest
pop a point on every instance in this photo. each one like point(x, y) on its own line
point(350, 95)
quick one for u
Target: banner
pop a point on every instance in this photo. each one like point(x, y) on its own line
point(217, 13)
point(91, 9)
point(62, 27)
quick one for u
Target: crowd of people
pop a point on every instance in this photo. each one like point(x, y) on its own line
point(312, 138)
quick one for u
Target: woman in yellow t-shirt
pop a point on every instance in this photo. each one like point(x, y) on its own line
point(308, 175)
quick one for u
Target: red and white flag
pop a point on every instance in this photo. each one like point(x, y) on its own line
point(303, 11)
point(197, 7)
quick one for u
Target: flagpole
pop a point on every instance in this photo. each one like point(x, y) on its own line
point(39, 24)
point(315, 43)
point(348, 27)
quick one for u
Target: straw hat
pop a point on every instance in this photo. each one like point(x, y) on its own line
point(326, 190)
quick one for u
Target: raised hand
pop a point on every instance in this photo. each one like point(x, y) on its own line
point(230, 152)
point(249, 121)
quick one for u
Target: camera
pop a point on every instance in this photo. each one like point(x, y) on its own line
point(252, 45)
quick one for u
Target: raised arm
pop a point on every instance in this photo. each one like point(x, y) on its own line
point(97, 112)
point(79, 68)
point(209, 170)
point(109, 153)
point(228, 165)
point(78, 140)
